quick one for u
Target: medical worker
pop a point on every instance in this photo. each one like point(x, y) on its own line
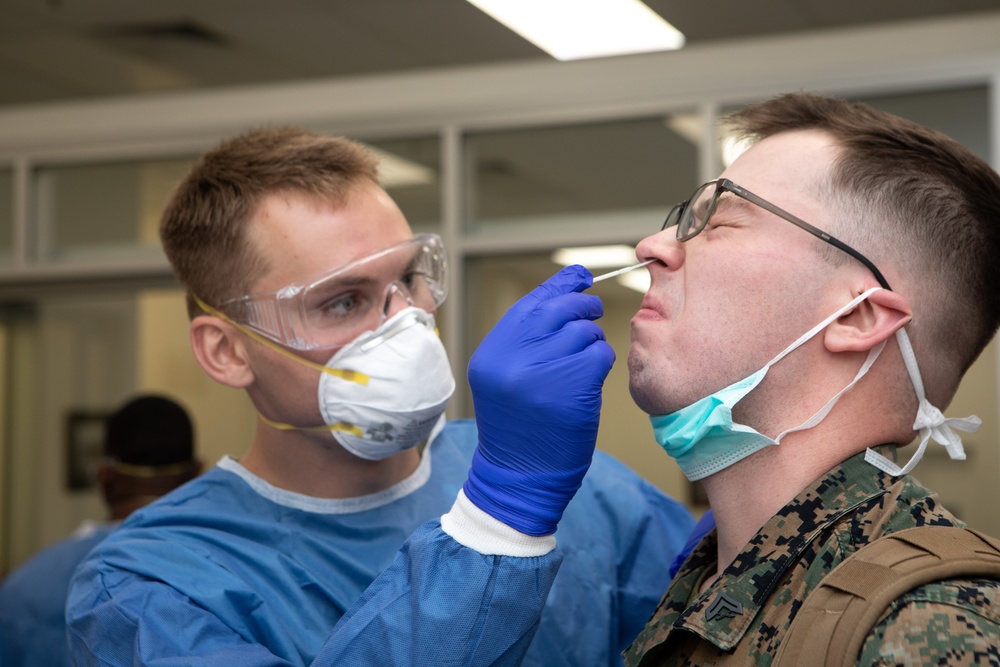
point(148, 450)
point(308, 290)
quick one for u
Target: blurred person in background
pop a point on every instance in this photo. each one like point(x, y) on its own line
point(148, 450)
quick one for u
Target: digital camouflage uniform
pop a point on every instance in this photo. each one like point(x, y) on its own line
point(743, 617)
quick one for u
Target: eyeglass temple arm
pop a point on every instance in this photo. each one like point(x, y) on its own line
point(837, 243)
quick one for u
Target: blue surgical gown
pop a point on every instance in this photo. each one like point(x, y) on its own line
point(705, 525)
point(229, 570)
point(33, 600)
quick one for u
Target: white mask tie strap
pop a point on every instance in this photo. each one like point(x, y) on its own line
point(825, 410)
point(930, 422)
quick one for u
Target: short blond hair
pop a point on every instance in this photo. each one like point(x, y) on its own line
point(203, 228)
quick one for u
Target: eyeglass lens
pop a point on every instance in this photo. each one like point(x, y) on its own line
point(690, 216)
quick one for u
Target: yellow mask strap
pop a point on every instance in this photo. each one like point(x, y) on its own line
point(339, 426)
point(343, 374)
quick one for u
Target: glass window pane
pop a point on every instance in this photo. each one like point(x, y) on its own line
point(86, 351)
point(6, 215)
point(622, 174)
point(961, 113)
point(100, 210)
point(410, 170)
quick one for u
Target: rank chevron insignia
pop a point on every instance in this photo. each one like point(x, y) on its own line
point(723, 607)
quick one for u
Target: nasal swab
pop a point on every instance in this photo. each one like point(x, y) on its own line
point(601, 277)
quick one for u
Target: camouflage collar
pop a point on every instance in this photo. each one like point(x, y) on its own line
point(727, 609)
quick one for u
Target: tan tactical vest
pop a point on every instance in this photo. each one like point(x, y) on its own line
point(837, 617)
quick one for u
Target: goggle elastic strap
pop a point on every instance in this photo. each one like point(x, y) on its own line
point(350, 376)
point(342, 373)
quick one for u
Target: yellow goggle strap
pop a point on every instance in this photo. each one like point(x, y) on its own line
point(343, 374)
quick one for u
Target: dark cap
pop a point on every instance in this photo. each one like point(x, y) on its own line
point(150, 431)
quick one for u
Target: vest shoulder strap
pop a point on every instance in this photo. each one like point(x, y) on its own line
point(839, 614)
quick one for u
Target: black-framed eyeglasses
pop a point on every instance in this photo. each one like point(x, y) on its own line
point(692, 215)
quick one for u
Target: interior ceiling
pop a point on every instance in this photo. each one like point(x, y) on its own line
point(53, 50)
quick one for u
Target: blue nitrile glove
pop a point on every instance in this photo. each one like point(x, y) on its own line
point(536, 384)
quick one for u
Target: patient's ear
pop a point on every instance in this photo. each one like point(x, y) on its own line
point(869, 323)
point(220, 350)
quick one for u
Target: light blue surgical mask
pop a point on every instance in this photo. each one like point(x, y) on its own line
point(704, 439)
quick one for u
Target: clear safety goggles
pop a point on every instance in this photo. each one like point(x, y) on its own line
point(336, 308)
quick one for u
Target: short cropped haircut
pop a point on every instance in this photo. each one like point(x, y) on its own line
point(203, 228)
point(914, 198)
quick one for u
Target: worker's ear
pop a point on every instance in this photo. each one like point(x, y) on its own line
point(869, 323)
point(107, 479)
point(105, 473)
point(221, 351)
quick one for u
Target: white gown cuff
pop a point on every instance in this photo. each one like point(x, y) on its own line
point(473, 528)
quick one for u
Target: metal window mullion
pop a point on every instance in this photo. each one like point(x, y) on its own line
point(41, 213)
point(24, 239)
point(709, 161)
point(451, 232)
point(993, 125)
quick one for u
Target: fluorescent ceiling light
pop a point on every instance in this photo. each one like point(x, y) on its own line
point(395, 172)
point(575, 29)
point(596, 257)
